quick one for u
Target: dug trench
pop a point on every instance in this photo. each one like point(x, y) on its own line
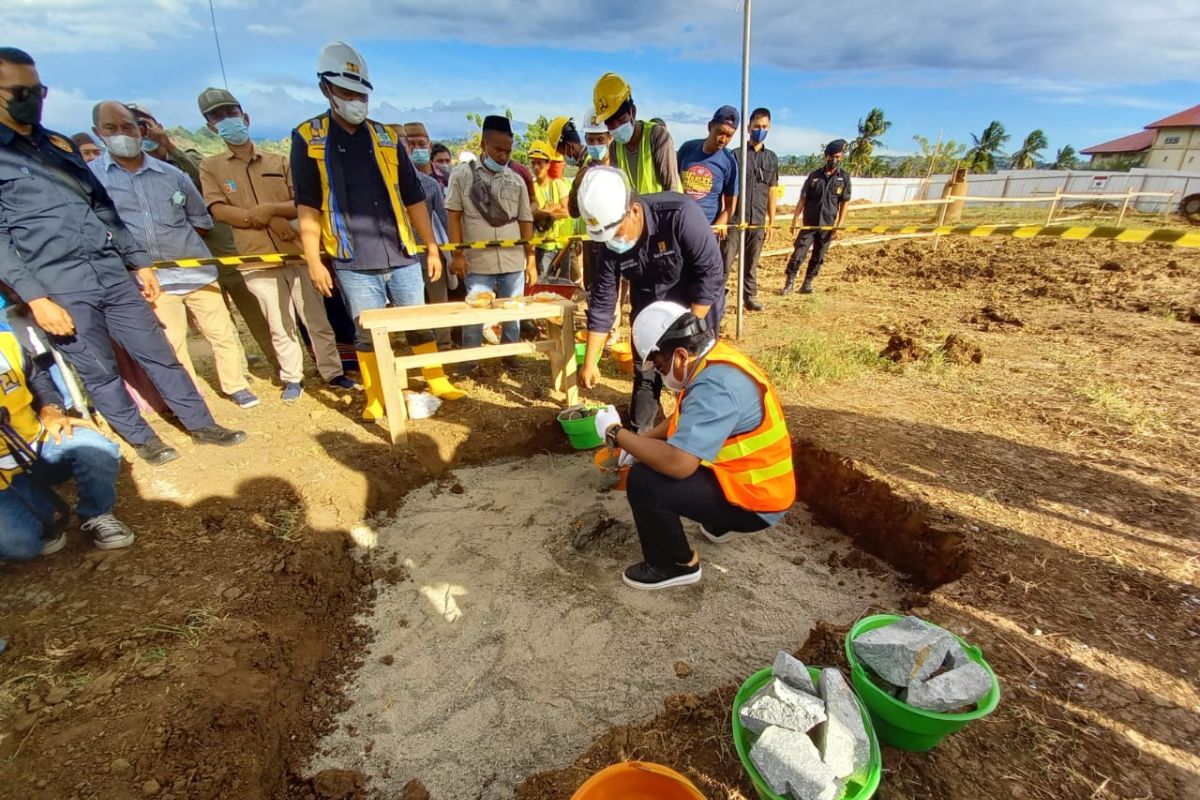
point(502, 642)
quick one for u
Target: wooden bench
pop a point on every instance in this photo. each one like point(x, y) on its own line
point(393, 370)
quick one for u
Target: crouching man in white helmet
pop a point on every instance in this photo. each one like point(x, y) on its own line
point(723, 459)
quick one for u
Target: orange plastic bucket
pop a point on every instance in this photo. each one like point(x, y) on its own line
point(606, 461)
point(637, 780)
point(623, 353)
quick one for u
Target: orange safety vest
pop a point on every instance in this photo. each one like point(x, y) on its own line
point(754, 469)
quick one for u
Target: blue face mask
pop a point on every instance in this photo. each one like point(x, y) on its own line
point(149, 145)
point(493, 164)
point(619, 245)
point(234, 130)
point(623, 133)
point(598, 151)
point(3, 302)
point(420, 156)
point(758, 135)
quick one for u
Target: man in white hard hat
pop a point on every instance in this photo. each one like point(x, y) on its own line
point(723, 459)
point(662, 244)
point(361, 209)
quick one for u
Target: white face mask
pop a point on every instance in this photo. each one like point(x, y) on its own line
point(353, 111)
point(122, 145)
point(670, 381)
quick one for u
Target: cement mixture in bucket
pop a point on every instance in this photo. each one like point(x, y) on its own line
point(513, 642)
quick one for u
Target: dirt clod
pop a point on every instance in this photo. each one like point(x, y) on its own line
point(414, 790)
point(339, 784)
point(903, 349)
point(119, 766)
point(151, 788)
point(958, 349)
point(682, 670)
point(388, 660)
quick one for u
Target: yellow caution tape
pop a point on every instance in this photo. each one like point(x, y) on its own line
point(1179, 238)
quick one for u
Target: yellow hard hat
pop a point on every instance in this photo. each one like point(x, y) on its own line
point(554, 132)
point(540, 149)
point(610, 92)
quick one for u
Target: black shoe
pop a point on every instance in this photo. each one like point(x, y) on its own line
point(510, 363)
point(647, 576)
point(752, 304)
point(156, 452)
point(788, 285)
point(467, 369)
point(215, 434)
point(806, 287)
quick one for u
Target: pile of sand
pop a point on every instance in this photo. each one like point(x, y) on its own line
point(514, 642)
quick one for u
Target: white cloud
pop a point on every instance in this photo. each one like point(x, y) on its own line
point(270, 30)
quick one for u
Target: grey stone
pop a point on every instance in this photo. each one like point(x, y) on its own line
point(842, 739)
point(905, 651)
point(789, 762)
point(951, 690)
point(792, 672)
point(794, 710)
point(956, 656)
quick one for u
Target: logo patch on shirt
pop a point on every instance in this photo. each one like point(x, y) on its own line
point(697, 181)
point(230, 185)
point(60, 142)
point(662, 247)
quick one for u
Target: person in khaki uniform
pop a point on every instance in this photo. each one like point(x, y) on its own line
point(251, 191)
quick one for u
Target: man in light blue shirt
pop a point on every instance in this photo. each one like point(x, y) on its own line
point(166, 213)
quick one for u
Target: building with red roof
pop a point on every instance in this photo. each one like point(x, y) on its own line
point(1171, 143)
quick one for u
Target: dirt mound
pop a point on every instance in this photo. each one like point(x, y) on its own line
point(958, 349)
point(904, 349)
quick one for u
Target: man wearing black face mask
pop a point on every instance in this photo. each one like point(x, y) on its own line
point(762, 176)
point(67, 254)
point(823, 201)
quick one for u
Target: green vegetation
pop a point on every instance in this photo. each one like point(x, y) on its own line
point(860, 155)
point(1066, 158)
point(986, 148)
point(822, 358)
point(1113, 404)
point(1027, 155)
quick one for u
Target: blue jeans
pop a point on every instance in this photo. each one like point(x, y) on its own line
point(506, 284)
point(24, 510)
point(364, 290)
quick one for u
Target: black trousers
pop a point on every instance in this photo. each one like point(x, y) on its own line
point(819, 242)
point(122, 313)
point(647, 391)
point(658, 502)
point(754, 246)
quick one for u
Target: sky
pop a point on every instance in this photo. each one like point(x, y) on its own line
point(1084, 71)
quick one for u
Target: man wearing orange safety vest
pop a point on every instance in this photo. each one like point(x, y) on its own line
point(723, 459)
point(642, 150)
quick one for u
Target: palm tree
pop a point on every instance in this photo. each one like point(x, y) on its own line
point(1031, 150)
point(869, 131)
point(982, 156)
point(1066, 158)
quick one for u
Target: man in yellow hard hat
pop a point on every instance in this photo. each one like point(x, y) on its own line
point(644, 151)
point(550, 218)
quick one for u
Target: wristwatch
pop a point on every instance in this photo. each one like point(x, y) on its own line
point(610, 435)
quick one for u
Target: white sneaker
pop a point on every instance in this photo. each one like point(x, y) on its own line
point(108, 532)
point(52, 546)
point(723, 538)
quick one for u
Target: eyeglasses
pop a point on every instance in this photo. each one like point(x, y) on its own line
point(23, 93)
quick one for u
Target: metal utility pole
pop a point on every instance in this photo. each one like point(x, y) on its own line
point(742, 173)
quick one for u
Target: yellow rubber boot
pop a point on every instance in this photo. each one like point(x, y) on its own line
point(368, 368)
point(435, 378)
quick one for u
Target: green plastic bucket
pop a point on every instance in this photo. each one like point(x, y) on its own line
point(580, 352)
point(581, 432)
point(899, 724)
point(742, 742)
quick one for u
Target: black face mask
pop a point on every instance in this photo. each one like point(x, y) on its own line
point(27, 110)
point(831, 164)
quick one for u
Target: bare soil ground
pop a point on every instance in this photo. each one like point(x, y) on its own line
point(1044, 498)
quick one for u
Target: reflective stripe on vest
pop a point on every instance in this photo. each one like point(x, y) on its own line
point(647, 177)
point(335, 236)
point(559, 189)
point(16, 397)
point(754, 469)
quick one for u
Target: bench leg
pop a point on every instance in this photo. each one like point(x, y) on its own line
point(562, 358)
point(392, 387)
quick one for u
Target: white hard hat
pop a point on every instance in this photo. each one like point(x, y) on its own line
point(603, 201)
point(466, 157)
point(650, 325)
point(343, 66)
point(590, 124)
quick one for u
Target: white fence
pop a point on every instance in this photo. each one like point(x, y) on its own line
point(1023, 183)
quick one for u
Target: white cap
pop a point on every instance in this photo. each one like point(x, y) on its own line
point(590, 124)
point(343, 66)
point(603, 201)
point(466, 157)
point(650, 325)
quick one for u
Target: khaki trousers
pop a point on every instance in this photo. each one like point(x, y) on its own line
point(282, 293)
point(206, 308)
